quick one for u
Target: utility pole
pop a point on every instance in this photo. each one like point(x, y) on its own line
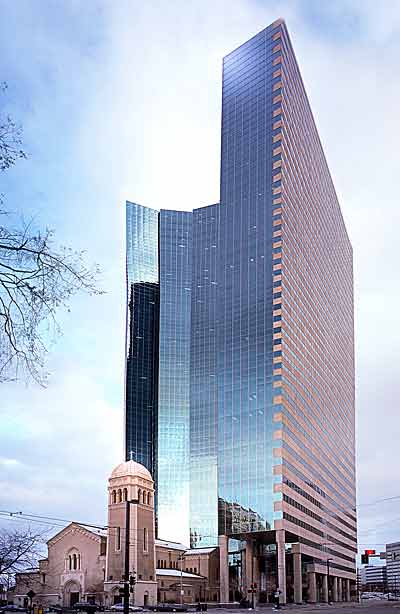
point(181, 590)
point(328, 578)
point(127, 544)
point(252, 575)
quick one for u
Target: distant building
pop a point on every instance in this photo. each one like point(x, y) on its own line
point(393, 566)
point(373, 578)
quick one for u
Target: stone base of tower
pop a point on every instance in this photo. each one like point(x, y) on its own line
point(271, 564)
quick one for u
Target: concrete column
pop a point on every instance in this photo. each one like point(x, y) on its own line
point(249, 570)
point(335, 589)
point(340, 591)
point(312, 587)
point(347, 590)
point(280, 547)
point(223, 569)
point(298, 580)
point(325, 598)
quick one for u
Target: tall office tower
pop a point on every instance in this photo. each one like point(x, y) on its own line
point(251, 391)
point(285, 350)
point(159, 271)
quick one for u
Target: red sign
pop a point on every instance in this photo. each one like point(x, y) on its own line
point(369, 552)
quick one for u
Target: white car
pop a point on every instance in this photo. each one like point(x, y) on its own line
point(119, 607)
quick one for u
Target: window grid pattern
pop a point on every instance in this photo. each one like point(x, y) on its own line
point(175, 262)
point(141, 372)
point(244, 308)
point(203, 380)
point(313, 330)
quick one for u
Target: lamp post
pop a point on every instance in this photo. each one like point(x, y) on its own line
point(180, 559)
point(126, 566)
point(328, 578)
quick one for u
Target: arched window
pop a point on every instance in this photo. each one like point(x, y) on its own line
point(144, 496)
point(145, 545)
point(139, 494)
point(119, 495)
point(74, 561)
point(114, 496)
point(148, 498)
point(70, 562)
point(125, 497)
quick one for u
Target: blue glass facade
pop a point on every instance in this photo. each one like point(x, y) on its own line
point(141, 375)
point(245, 426)
point(203, 381)
point(159, 277)
point(175, 257)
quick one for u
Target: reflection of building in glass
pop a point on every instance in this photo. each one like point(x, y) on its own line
point(256, 350)
point(141, 396)
point(159, 272)
point(142, 373)
point(239, 519)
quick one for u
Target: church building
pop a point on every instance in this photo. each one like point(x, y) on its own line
point(88, 563)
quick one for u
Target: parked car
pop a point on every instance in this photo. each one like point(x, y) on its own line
point(119, 607)
point(168, 607)
point(12, 608)
point(85, 606)
point(56, 607)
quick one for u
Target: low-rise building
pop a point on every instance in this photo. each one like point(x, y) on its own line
point(393, 566)
point(87, 563)
point(373, 578)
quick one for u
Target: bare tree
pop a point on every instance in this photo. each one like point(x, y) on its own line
point(36, 278)
point(20, 550)
point(10, 139)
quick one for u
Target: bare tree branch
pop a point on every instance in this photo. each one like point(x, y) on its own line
point(20, 550)
point(36, 278)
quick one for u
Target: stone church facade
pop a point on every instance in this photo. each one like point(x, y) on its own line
point(87, 564)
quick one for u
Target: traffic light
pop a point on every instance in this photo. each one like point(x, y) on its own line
point(132, 579)
point(366, 555)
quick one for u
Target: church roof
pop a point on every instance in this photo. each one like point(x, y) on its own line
point(131, 467)
point(200, 550)
point(175, 573)
point(170, 545)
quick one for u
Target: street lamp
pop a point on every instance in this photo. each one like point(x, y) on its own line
point(180, 559)
point(328, 578)
point(126, 566)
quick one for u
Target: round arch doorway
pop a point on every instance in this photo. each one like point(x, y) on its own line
point(72, 591)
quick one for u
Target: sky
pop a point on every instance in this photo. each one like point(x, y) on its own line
point(122, 100)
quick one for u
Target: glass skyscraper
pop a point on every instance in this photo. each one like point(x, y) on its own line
point(255, 367)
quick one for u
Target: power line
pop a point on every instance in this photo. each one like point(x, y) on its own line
point(18, 513)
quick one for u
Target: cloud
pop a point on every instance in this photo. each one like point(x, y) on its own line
point(122, 100)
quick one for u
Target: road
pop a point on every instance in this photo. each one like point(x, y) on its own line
point(367, 607)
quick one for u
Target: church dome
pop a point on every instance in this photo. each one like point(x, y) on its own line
point(133, 468)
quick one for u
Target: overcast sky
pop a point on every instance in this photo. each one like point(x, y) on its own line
point(121, 100)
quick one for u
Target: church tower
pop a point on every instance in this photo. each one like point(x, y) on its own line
point(131, 486)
